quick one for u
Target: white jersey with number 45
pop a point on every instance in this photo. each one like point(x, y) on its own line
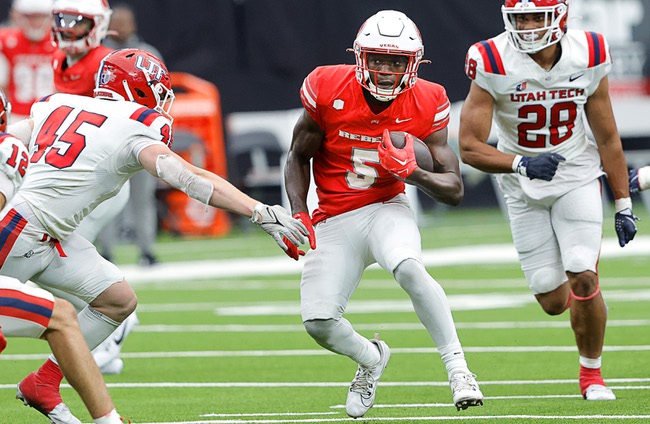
point(539, 111)
point(82, 151)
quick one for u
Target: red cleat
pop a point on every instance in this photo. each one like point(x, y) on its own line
point(45, 398)
point(3, 342)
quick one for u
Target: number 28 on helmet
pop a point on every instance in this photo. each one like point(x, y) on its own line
point(135, 75)
point(533, 40)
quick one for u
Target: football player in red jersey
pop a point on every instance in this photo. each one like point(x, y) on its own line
point(537, 79)
point(26, 51)
point(78, 29)
point(363, 215)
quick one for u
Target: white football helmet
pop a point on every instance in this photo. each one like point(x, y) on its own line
point(532, 41)
point(80, 25)
point(388, 32)
point(33, 17)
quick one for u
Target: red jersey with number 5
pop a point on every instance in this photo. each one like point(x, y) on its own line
point(346, 168)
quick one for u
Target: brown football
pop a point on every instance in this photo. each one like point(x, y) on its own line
point(422, 153)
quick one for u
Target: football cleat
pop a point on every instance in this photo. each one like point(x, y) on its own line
point(599, 392)
point(361, 395)
point(592, 385)
point(45, 399)
point(465, 390)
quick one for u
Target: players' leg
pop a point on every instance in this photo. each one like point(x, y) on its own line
point(84, 273)
point(37, 314)
point(577, 220)
point(330, 276)
point(396, 245)
point(539, 254)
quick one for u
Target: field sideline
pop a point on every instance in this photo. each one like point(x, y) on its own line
point(220, 339)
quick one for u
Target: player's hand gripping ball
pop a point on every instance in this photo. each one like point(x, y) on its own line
point(401, 153)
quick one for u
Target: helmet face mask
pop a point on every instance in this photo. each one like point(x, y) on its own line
point(136, 76)
point(80, 25)
point(553, 14)
point(391, 34)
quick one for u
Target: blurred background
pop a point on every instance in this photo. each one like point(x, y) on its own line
point(241, 64)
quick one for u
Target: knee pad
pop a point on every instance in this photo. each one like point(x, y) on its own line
point(544, 280)
point(320, 329)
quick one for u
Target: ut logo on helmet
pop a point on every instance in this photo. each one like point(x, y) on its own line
point(153, 69)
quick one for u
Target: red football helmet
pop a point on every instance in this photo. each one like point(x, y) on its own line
point(136, 76)
point(530, 41)
point(388, 32)
point(5, 110)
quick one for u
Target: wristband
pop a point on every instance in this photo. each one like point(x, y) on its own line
point(623, 203)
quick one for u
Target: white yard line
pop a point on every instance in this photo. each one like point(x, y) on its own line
point(426, 419)
point(323, 352)
point(279, 265)
point(391, 326)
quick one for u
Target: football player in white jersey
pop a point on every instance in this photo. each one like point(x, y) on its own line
point(536, 80)
point(82, 151)
point(35, 313)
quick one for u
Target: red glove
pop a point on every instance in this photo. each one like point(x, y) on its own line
point(3, 342)
point(306, 220)
point(293, 251)
point(399, 162)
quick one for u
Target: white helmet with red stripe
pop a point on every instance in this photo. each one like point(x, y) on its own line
point(388, 32)
point(80, 25)
point(533, 40)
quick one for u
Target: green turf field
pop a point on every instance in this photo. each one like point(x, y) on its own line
point(232, 349)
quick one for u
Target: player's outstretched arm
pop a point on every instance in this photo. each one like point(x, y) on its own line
point(213, 190)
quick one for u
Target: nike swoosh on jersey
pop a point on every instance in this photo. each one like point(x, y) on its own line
point(399, 121)
point(575, 77)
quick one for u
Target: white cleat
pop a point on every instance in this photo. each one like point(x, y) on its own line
point(113, 368)
point(362, 392)
point(465, 390)
point(599, 392)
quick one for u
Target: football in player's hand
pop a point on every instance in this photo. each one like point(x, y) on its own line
point(422, 153)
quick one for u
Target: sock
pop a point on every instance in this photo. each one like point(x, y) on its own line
point(339, 337)
point(590, 373)
point(111, 418)
point(429, 301)
point(95, 327)
point(50, 374)
point(454, 359)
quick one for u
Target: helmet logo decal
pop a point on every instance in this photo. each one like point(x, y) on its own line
point(153, 69)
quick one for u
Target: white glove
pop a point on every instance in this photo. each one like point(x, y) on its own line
point(279, 223)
